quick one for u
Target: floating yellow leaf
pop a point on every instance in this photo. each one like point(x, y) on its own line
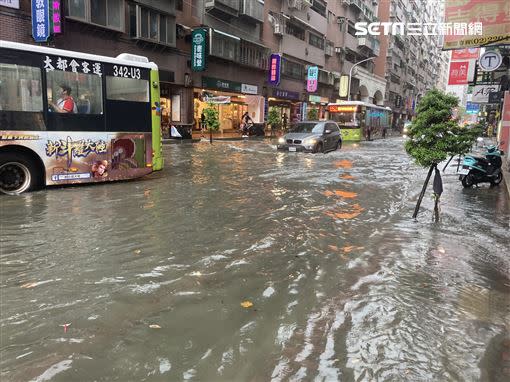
point(154, 326)
point(343, 164)
point(28, 285)
point(138, 251)
point(247, 304)
point(333, 247)
point(346, 194)
point(328, 193)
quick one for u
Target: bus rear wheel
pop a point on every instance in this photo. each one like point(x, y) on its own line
point(17, 174)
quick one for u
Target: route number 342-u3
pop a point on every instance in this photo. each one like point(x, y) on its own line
point(126, 72)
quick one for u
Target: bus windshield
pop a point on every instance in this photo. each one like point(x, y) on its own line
point(346, 119)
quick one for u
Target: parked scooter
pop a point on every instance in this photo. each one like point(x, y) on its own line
point(482, 169)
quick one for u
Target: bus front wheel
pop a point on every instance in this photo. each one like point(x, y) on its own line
point(17, 174)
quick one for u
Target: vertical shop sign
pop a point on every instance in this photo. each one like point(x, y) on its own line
point(344, 86)
point(458, 73)
point(311, 79)
point(275, 61)
point(55, 18)
point(303, 111)
point(198, 50)
point(40, 20)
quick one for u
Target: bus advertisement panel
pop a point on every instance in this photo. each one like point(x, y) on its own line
point(69, 117)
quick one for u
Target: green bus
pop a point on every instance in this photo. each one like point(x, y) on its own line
point(360, 120)
point(68, 117)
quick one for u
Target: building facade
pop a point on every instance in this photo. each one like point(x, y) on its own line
point(241, 36)
point(409, 63)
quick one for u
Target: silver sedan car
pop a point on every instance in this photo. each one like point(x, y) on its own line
point(312, 136)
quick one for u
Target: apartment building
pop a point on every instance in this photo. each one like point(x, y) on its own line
point(409, 63)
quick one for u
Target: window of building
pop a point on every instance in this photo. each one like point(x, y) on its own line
point(145, 23)
point(107, 13)
point(253, 55)
point(293, 69)
point(295, 31)
point(351, 30)
point(319, 6)
point(179, 5)
point(317, 41)
point(329, 48)
point(85, 90)
point(225, 46)
point(20, 88)
point(331, 17)
point(127, 89)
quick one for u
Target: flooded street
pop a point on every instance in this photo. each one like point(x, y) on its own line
point(240, 263)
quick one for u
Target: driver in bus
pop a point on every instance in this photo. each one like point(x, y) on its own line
point(65, 104)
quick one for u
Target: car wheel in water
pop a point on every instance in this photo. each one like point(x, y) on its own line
point(498, 180)
point(468, 181)
point(319, 148)
point(17, 174)
point(338, 145)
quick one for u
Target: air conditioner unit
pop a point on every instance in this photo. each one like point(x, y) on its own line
point(278, 29)
point(339, 49)
point(340, 20)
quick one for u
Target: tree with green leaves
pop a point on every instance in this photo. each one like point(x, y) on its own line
point(313, 114)
point(273, 118)
point(434, 136)
point(212, 120)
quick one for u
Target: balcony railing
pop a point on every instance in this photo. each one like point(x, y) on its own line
point(252, 9)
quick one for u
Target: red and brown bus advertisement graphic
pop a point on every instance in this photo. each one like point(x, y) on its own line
point(81, 157)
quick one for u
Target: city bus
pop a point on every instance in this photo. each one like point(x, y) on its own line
point(68, 117)
point(360, 120)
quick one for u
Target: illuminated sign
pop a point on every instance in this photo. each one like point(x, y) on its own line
point(344, 86)
point(10, 3)
point(458, 73)
point(342, 109)
point(55, 7)
point(312, 79)
point(274, 69)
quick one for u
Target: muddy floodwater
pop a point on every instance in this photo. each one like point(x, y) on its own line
point(241, 263)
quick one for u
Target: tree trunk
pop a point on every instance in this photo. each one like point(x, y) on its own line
point(210, 135)
point(436, 207)
point(422, 192)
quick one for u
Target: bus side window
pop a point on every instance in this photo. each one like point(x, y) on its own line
point(74, 93)
point(21, 102)
point(128, 107)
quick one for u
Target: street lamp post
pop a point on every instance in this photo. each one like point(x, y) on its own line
point(350, 75)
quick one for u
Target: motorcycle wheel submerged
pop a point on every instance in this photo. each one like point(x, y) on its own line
point(498, 179)
point(468, 181)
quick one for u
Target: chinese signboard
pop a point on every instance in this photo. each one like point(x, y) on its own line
point(231, 86)
point(274, 69)
point(285, 94)
point(10, 3)
point(312, 79)
point(481, 93)
point(198, 50)
point(40, 20)
point(458, 73)
point(55, 18)
point(472, 108)
point(465, 54)
point(493, 15)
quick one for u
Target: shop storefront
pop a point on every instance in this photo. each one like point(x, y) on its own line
point(288, 104)
point(232, 100)
point(317, 107)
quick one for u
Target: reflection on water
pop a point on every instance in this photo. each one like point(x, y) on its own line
point(238, 263)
